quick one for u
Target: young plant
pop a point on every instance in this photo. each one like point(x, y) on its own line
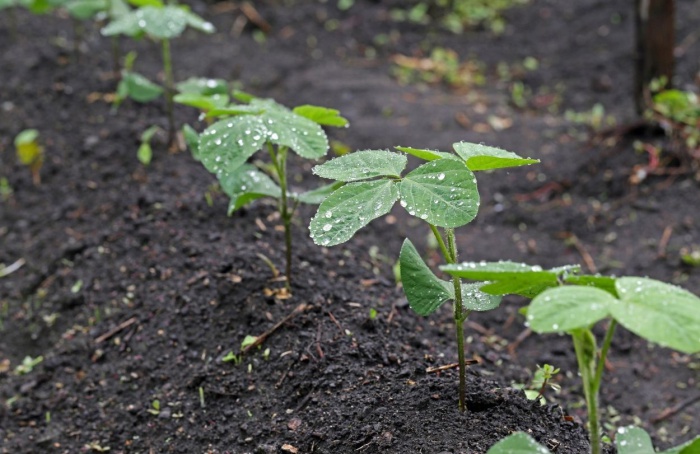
point(628, 440)
point(161, 23)
point(30, 153)
point(262, 124)
point(656, 311)
point(442, 192)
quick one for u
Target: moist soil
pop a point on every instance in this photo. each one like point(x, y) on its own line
point(135, 289)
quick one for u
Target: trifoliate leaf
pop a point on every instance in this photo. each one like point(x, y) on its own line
point(481, 157)
point(321, 115)
point(659, 312)
point(350, 208)
point(441, 192)
point(246, 184)
point(570, 307)
point(362, 165)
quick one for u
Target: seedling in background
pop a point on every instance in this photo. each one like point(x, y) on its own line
point(145, 152)
point(161, 23)
point(442, 192)
point(628, 440)
point(30, 153)
point(656, 311)
point(540, 382)
point(262, 124)
point(28, 365)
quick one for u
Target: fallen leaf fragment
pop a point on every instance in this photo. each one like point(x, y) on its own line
point(290, 448)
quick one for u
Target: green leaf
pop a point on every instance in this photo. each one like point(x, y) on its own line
point(165, 22)
point(506, 270)
point(318, 195)
point(141, 3)
point(633, 440)
point(474, 299)
point(321, 115)
point(85, 9)
point(518, 443)
point(428, 155)
point(228, 143)
point(689, 447)
point(198, 23)
point(118, 8)
point(441, 192)
point(242, 96)
point(145, 153)
point(26, 137)
point(192, 140)
point(659, 312)
point(425, 291)
point(350, 208)
point(202, 102)
point(570, 307)
point(203, 86)
point(522, 287)
point(233, 110)
point(602, 282)
point(482, 157)
point(246, 184)
point(363, 165)
point(139, 88)
point(148, 134)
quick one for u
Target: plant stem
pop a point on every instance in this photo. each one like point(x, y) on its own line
point(584, 345)
point(279, 160)
point(169, 89)
point(604, 352)
point(459, 317)
point(441, 243)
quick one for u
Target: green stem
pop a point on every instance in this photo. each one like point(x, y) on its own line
point(441, 243)
point(169, 89)
point(604, 353)
point(279, 160)
point(584, 345)
point(459, 318)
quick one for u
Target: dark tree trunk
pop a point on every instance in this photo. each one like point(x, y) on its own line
point(655, 42)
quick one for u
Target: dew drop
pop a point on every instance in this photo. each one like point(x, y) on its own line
point(441, 176)
point(327, 227)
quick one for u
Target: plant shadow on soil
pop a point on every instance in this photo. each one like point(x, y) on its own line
point(170, 285)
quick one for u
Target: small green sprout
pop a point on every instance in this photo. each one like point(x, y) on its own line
point(262, 124)
point(30, 153)
point(201, 397)
point(155, 407)
point(5, 189)
point(145, 152)
point(656, 311)
point(161, 22)
point(691, 256)
point(28, 365)
point(441, 192)
point(232, 357)
point(372, 313)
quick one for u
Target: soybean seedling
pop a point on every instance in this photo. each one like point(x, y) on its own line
point(30, 153)
point(263, 124)
point(161, 23)
point(441, 192)
point(656, 311)
point(628, 440)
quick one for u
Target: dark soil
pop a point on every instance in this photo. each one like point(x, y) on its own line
point(134, 289)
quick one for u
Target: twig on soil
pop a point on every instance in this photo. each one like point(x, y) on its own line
point(573, 240)
point(116, 329)
point(253, 16)
point(663, 243)
point(7, 270)
point(261, 338)
point(392, 313)
point(518, 340)
point(284, 375)
point(432, 370)
point(337, 323)
point(318, 342)
point(675, 409)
